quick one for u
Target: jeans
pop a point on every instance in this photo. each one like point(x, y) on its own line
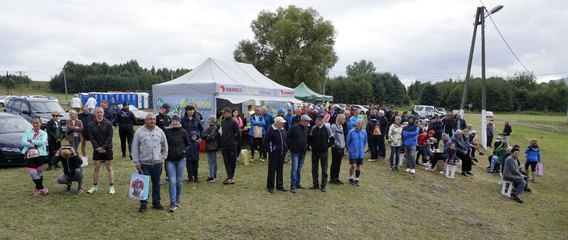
point(230, 159)
point(410, 155)
point(75, 143)
point(212, 160)
point(275, 167)
point(520, 186)
point(373, 147)
point(295, 172)
point(67, 179)
point(319, 158)
point(175, 169)
point(382, 147)
point(154, 171)
point(336, 156)
point(494, 163)
point(395, 156)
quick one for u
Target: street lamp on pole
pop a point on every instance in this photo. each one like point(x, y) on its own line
point(480, 16)
point(483, 77)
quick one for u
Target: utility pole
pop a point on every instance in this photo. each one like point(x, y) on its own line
point(6, 84)
point(20, 83)
point(470, 59)
point(483, 87)
point(65, 82)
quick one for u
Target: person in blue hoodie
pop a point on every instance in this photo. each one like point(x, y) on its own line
point(356, 141)
point(409, 141)
point(533, 157)
point(192, 157)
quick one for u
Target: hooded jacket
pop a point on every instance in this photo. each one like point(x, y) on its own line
point(193, 152)
point(339, 136)
point(395, 135)
point(532, 153)
point(70, 164)
point(410, 135)
point(193, 124)
point(356, 141)
point(40, 141)
point(147, 146)
point(178, 143)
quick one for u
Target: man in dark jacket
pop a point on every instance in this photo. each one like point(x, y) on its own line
point(276, 145)
point(71, 168)
point(54, 136)
point(438, 126)
point(297, 137)
point(373, 140)
point(320, 139)
point(86, 117)
point(101, 132)
point(108, 112)
point(230, 134)
point(163, 120)
point(125, 120)
point(459, 123)
point(384, 126)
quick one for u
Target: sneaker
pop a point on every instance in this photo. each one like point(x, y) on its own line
point(172, 208)
point(351, 181)
point(292, 190)
point(80, 190)
point(142, 209)
point(323, 189)
point(44, 191)
point(111, 190)
point(36, 192)
point(469, 173)
point(464, 174)
point(372, 160)
point(516, 198)
point(92, 190)
point(442, 172)
point(413, 171)
point(157, 206)
point(356, 183)
point(407, 170)
point(178, 204)
point(209, 179)
point(391, 169)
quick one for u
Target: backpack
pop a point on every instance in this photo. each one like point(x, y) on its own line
point(377, 130)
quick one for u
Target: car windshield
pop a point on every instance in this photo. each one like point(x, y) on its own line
point(13, 125)
point(46, 107)
point(418, 108)
point(429, 109)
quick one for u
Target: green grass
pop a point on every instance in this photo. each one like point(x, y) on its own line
point(385, 206)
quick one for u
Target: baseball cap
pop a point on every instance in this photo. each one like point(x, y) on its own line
point(279, 119)
point(281, 110)
point(166, 106)
point(290, 108)
point(306, 118)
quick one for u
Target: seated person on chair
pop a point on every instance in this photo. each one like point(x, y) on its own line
point(512, 172)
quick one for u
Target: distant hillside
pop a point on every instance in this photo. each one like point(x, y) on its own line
point(565, 80)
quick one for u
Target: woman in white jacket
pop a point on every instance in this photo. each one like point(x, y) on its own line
point(395, 140)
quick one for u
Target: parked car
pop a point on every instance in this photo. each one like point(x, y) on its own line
point(30, 108)
point(441, 111)
point(12, 128)
point(139, 114)
point(360, 109)
point(4, 100)
point(424, 111)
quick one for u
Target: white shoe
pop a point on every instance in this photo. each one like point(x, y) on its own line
point(407, 170)
point(427, 164)
point(372, 160)
point(413, 171)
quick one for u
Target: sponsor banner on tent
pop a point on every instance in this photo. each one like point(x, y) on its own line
point(205, 104)
point(240, 90)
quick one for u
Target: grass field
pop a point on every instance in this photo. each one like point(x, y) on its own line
point(386, 205)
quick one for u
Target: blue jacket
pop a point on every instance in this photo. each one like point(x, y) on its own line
point(257, 120)
point(40, 142)
point(193, 152)
point(356, 141)
point(533, 154)
point(268, 120)
point(410, 135)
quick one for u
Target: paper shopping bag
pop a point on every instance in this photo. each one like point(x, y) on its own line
point(539, 170)
point(139, 186)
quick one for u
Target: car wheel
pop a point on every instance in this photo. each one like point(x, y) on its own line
point(1, 105)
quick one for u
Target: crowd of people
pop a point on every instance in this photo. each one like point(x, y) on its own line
point(171, 142)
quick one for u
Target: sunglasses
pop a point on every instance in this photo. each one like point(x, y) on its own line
point(55, 115)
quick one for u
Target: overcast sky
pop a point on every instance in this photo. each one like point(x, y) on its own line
point(424, 40)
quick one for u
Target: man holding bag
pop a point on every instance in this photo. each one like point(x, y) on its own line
point(149, 149)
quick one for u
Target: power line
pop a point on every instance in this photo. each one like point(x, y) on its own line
point(506, 43)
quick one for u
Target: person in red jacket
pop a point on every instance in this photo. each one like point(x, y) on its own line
point(423, 146)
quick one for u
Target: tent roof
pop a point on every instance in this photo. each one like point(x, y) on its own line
point(228, 80)
point(303, 92)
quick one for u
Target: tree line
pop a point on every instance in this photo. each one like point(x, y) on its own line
point(101, 77)
point(12, 82)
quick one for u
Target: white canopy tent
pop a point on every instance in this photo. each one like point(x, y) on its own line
point(215, 79)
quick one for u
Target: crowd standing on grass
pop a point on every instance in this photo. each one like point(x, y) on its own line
point(172, 144)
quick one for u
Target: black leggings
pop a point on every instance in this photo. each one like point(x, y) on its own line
point(532, 165)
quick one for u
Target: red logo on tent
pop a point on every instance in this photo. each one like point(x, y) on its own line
point(222, 89)
point(281, 92)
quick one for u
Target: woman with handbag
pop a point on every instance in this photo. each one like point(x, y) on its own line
point(34, 142)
